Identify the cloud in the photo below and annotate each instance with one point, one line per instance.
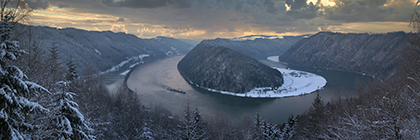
(38, 4)
(118, 28)
(245, 18)
(233, 19)
(370, 10)
(63, 6)
(244, 6)
(181, 18)
(148, 3)
(120, 19)
(300, 9)
(269, 4)
(221, 18)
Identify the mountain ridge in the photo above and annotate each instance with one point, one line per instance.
(372, 54)
(258, 48)
(101, 49)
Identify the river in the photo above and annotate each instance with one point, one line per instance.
(150, 80)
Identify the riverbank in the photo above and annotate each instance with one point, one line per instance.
(296, 83)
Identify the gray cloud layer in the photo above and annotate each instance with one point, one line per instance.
(345, 10)
(225, 17)
(245, 6)
(299, 9)
(148, 3)
(370, 10)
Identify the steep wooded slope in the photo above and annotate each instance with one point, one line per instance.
(102, 50)
(373, 54)
(224, 69)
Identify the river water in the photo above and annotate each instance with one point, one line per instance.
(150, 80)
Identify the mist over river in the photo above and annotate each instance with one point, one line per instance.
(150, 80)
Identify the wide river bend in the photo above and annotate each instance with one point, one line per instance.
(150, 80)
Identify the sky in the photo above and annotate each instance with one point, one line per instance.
(209, 19)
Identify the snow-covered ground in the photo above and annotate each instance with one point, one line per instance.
(295, 83)
(273, 58)
(117, 67)
(125, 72)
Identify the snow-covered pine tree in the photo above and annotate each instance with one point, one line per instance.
(198, 131)
(68, 122)
(185, 126)
(14, 90)
(146, 133)
(192, 126)
(270, 131)
(288, 130)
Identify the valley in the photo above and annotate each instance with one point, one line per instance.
(150, 80)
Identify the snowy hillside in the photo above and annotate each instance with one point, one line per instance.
(295, 83)
(103, 50)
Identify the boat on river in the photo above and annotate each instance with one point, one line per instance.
(176, 90)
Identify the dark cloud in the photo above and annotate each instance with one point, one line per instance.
(370, 10)
(249, 6)
(63, 6)
(38, 4)
(148, 3)
(299, 9)
(245, 18)
(234, 19)
(180, 3)
(296, 4)
(244, 6)
(269, 4)
(181, 18)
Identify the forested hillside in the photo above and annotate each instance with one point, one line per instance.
(102, 50)
(372, 54)
(258, 48)
(223, 69)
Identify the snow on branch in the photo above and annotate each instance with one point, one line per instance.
(35, 87)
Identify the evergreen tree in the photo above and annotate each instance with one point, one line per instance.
(198, 131)
(14, 91)
(314, 125)
(68, 122)
(258, 125)
(146, 133)
(54, 52)
(192, 126)
(53, 66)
(185, 127)
(270, 131)
(288, 130)
(318, 103)
(72, 74)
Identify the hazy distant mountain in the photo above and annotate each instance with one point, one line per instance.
(373, 54)
(193, 42)
(224, 69)
(258, 48)
(103, 49)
